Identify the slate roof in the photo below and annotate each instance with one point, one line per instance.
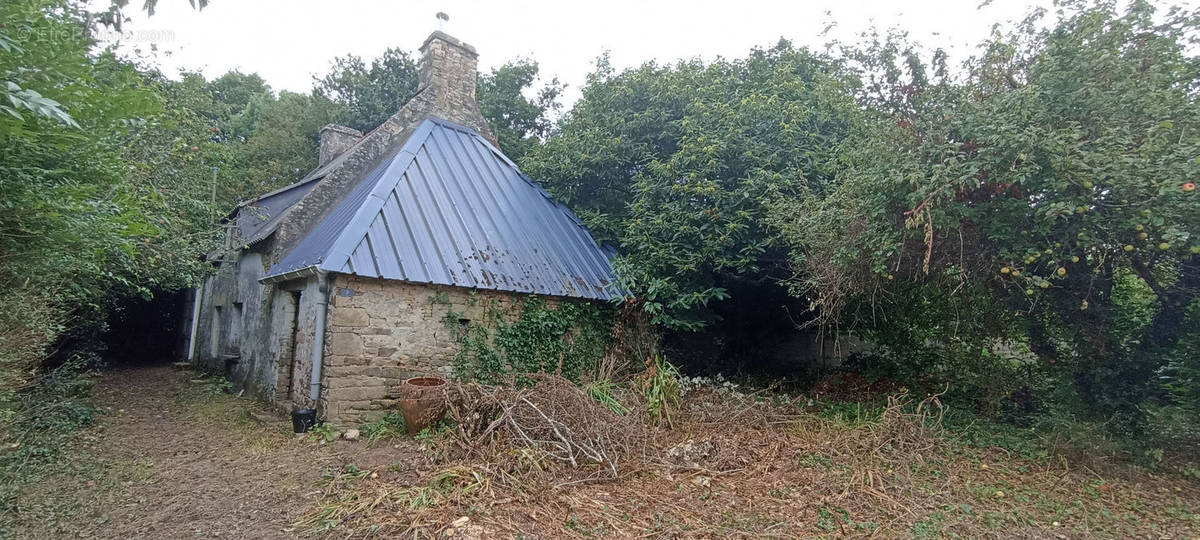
(257, 219)
(449, 208)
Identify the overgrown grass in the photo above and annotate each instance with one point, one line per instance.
(602, 392)
(660, 383)
(387, 505)
(40, 426)
(897, 467)
(436, 430)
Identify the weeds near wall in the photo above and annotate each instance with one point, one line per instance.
(567, 339)
(387, 427)
(322, 432)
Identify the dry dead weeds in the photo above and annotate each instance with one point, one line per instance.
(550, 462)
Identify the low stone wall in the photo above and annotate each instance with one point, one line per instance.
(382, 332)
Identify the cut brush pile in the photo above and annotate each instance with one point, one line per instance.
(554, 419)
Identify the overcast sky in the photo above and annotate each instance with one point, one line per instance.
(288, 41)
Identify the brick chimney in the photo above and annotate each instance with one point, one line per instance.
(447, 80)
(334, 140)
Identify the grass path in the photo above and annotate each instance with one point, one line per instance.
(177, 458)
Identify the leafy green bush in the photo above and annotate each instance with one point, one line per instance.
(1181, 376)
(28, 326)
(1043, 194)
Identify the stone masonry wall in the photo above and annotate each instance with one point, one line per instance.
(382, 332)
(301, 369)
(334, 141)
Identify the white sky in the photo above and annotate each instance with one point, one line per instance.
(288, 41)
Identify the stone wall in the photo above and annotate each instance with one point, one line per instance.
(300, 371)
(382, 332)
(334, 141)
(260, 336)
(233, 320)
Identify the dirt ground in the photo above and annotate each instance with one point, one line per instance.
(175, 457)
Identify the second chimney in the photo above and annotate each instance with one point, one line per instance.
(335, 140)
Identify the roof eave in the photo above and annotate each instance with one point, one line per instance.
(293, 274)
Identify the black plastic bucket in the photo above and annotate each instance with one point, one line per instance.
(303, 420)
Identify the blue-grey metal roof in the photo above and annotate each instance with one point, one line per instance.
(258, 218)
(449, 208)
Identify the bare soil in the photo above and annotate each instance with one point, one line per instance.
(176, 457)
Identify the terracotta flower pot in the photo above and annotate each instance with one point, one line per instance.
(422, 402)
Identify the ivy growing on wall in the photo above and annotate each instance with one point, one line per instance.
(528, 336)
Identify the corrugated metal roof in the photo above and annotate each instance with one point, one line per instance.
(449, 208)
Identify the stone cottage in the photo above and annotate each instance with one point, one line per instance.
(323, 295)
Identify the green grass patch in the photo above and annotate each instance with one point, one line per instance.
(40, 428)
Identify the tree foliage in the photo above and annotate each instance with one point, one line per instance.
(676, 164)
(371, 94)
(518, 122)
(100, 193)
(1045, 195)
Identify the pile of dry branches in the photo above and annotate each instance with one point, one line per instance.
(553, 417)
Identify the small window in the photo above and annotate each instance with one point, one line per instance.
(463, 326)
